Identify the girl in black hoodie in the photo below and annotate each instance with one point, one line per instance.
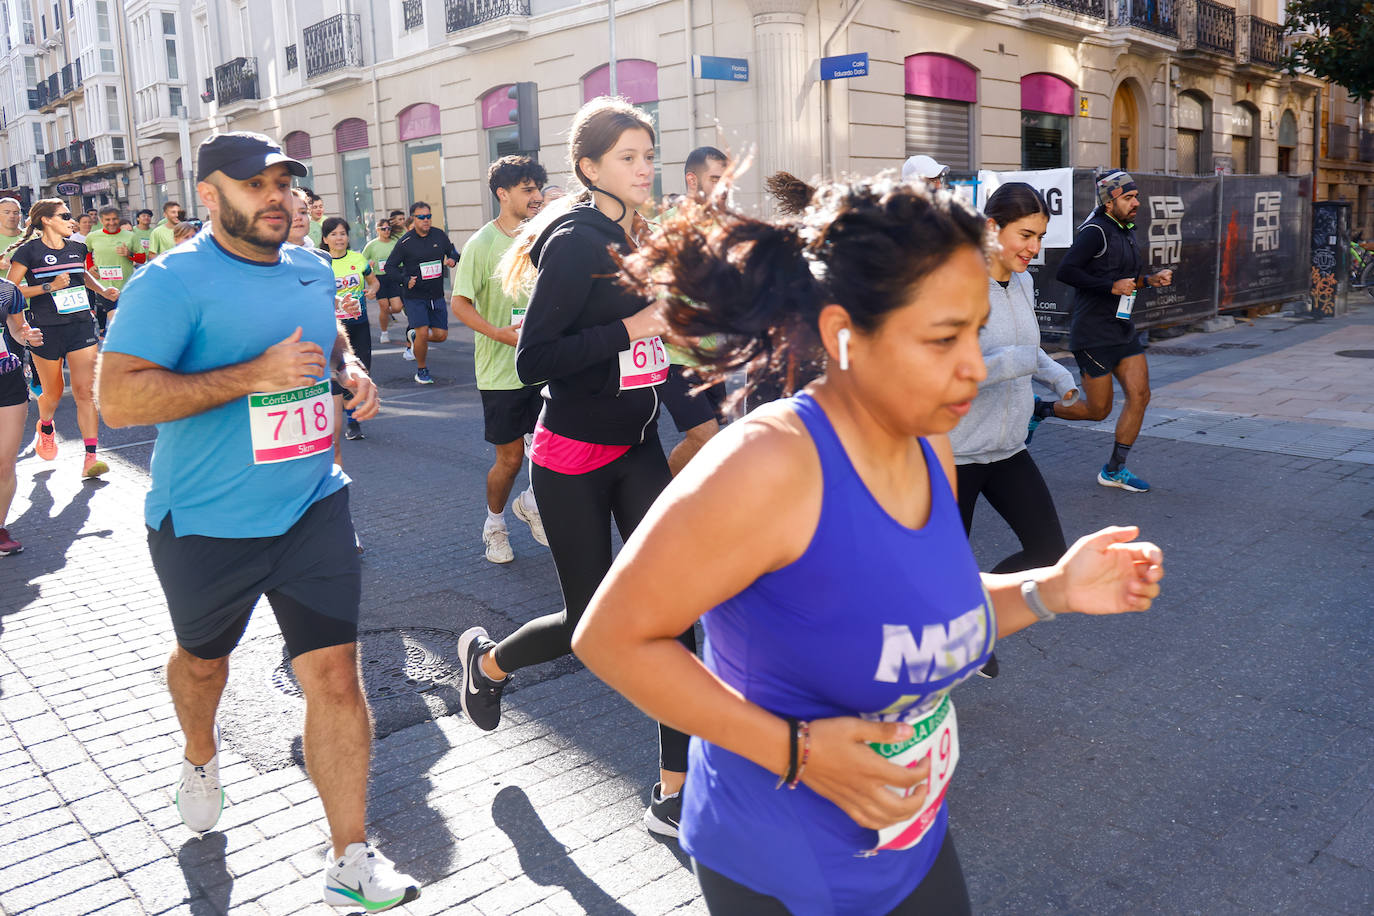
(595, 454)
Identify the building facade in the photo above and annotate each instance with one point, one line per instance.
(389, 101)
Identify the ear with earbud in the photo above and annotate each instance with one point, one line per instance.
(843, 338)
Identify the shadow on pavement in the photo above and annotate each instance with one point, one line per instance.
(208, 882)
(543, 859)
(46, 550)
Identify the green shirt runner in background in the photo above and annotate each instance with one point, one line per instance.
(161, 239)
(376, 251)
(145, 240)
(112, 268)
(476, 280)
(316, 232)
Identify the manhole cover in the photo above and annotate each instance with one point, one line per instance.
(1356, 354)
(395, 662)
(1236, 346)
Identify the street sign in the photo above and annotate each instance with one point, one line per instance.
(68, 188)
(844, 66)
(735, 69)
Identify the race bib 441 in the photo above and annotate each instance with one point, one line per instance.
(287, 425)
(937, 740)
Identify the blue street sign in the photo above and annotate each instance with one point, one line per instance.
(844, 66)
(735, 69)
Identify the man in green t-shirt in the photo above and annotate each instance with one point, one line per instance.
(695, 416)
(143, 231)
(510, 408)
(10, 214)
(111, 254)
(377, 250)
(316, 216)
(161, 238)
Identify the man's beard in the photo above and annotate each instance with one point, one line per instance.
(237, 224)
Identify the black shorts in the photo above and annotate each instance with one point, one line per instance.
(14, 388)
(387, 287)
(61, 339)
(689, 410)
(311, 575)
(1096, 362)
(511, 414)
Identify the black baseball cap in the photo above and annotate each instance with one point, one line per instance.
(241, 154)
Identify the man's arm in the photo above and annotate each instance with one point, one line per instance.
(467, 313)
(132, 391)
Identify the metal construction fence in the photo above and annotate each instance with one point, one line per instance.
(1232, 241)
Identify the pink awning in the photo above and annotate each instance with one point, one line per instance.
(1048, 93)
(497, 108)
(939, 76)
(636, 80)
(419, 120)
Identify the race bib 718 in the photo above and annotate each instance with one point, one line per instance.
(286, 425)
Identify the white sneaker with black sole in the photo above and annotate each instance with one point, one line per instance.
(365, 878)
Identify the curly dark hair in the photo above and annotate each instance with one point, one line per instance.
(512, 171)
(792, 194)
(759, 286)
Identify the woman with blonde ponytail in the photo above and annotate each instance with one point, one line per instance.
(595, 455)
(50, 271)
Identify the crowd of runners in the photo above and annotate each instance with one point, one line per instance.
(806, 750)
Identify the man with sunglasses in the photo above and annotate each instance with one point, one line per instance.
(418, 262)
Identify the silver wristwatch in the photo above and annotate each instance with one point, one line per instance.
(1030, 593)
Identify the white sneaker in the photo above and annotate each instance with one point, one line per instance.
(366, 878)
(408, 355)
(200, 798)
(498, 544)
(530, 517)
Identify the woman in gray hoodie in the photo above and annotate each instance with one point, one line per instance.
(990, 442)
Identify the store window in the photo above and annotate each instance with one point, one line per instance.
(940, 94)
(1047, 109)
(1244, 141)
(355, 180)
(423, 153)
(1194, 140)
(1288, 143)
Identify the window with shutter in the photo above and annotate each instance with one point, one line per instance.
(297, 145)
(350, 135)
(940, 94)
(159, 171)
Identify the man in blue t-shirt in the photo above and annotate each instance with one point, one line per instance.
(222, 343)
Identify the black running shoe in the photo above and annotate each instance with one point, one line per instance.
(990, 669)
(354, 430)
(663, 814)
(481, 697)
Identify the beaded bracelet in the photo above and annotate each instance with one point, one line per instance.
(791, 774)
(805, 729)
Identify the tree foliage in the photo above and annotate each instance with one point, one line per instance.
(1340, 46)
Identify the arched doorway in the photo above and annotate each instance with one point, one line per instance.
(1125, 151)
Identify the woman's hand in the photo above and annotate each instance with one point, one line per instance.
(1106, 573)
(30, 336)
(845, 770)
(647, 322)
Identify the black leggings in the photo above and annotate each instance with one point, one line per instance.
(942, 891)
(577, 511)
(360, 338)
(1014, 487)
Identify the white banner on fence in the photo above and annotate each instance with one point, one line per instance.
(1055, 185)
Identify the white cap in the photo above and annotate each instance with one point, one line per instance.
(922, 167)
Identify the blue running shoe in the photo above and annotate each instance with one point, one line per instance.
(422, 377)
(1122, 479)
(1035, 420)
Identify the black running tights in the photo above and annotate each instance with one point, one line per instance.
(1014, 487)
(577, 510)
(942, 892)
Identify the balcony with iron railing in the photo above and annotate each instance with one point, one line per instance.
(1263, 45)
(1156, 16)
(332, 45)
(1206, 26)
(1095, 9)
(236, 81)
(464, 14)
(413, 12)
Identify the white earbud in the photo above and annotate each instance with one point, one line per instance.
(843, 337)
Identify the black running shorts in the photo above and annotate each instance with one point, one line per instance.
(689, 410)
(511, 414)
(1096, 362)
(311, 575)
(61, 339)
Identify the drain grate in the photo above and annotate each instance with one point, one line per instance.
(1157, 350)
(395, 662)
(1356, 354)
(1236, 346)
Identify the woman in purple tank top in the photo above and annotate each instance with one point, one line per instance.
(840, 599)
